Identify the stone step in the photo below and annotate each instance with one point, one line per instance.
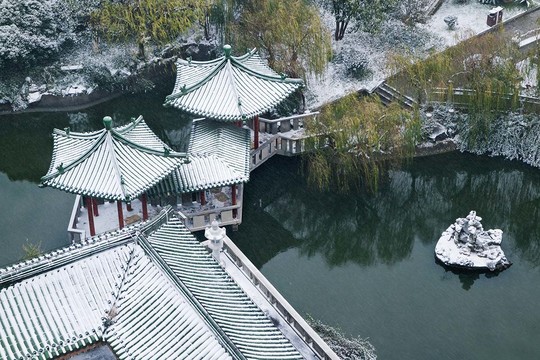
(388, 94)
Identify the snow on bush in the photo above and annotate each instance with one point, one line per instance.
(397, 36)
(412, 11)
(345, 348)
(31, 30)
(513, 136)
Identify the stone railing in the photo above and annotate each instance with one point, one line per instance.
(459, 97)
(264, 152)
(284, 124)
(287, 137)
(200, 219)
(297, 322)
(76, 235)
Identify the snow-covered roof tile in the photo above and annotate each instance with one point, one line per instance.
(229, 88)
(218, 155)
(150, 291)
(244, 323)
(112, 163)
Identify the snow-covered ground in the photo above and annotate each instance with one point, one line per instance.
(394, 36)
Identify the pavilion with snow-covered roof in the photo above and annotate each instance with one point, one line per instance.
(230, 88)
(115, 164)
(210, 185)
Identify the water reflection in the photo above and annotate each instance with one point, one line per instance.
(40, 216)
(417, 201)
(26, 141)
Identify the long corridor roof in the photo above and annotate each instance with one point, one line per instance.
(218, 156)
(150, 291)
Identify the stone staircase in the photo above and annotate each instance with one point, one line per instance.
(388, 94)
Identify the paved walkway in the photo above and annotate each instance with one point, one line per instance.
(523, 23)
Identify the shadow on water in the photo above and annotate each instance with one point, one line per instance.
(418, 201)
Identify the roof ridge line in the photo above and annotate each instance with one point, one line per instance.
(116, 167)
(208, 77)
(223, 339)
(146, 149)
(90, 246)
(108, 320)
(83, 157)
(228, 66)
(130, 126)
(279, 78)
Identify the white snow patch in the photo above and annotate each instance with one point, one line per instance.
(471, 18)
(334, 82)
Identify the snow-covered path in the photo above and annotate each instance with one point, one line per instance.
(375, 49)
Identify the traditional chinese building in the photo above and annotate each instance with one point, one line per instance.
(112, 164)
(230, 88)
(210, 186)
(148, 291)
(227, 89)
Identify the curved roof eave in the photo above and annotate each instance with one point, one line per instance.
(205, 100)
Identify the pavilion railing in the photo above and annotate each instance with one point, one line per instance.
(199, 219)
(284, 124)
(269, 148)
(297, 322)
(286, 137)
(76, 235)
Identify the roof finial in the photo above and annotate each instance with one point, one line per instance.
(107, 121)
(227, 50)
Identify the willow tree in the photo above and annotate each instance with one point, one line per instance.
(354, 139)
(483, 68)
(158, 21)
(290, 32)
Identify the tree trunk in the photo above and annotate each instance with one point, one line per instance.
(341, 26)
(207, 26)
(141, 54)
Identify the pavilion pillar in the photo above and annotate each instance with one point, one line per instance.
(233, 195)
(89, 208)
(144, 201)
(120, 214)
(128, 206)
(203, 198)
(95, 206)
(256, 132)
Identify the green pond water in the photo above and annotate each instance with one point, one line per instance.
(362, 262)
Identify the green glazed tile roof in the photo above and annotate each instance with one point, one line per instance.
(229, 88)
(244, 323)
(151, 291)
(218, 155)
(116, 164)
(67, 308)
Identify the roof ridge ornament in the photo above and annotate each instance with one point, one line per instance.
(227, 50)
(107, 122)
